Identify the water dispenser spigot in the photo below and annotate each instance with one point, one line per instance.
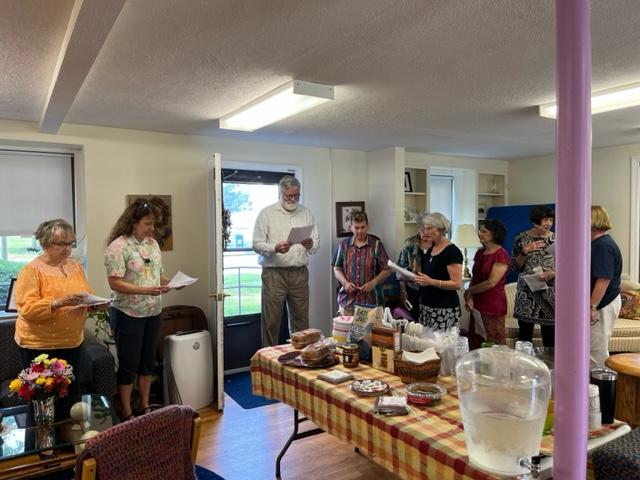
(532, 465)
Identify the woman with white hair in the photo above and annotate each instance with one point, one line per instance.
(410, 259)
(441, 275)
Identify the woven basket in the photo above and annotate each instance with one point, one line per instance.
(410, 372)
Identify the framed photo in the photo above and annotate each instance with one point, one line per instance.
(10, 305)
(163, 226)
(407, 182)
(482, 212)
(343, 216)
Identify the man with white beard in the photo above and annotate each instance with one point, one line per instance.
(285, 277)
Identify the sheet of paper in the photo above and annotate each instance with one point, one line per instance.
(298, 234)
(478, 326)
(534, 283)
(396, 268)
(181, 280)
(90, 300)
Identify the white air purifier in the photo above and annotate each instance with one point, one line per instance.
(188, 369)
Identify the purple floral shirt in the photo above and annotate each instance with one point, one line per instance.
(138, 263)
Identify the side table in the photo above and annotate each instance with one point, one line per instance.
(627, 386)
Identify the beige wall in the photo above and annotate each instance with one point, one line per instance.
(118, 162)
(532, 180)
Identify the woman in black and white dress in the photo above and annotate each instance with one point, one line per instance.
(534, 255)
(441, 276)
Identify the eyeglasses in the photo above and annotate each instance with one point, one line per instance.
(293, 196)
(142, 206)
(65, 244)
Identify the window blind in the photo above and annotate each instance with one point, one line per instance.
(35, 187)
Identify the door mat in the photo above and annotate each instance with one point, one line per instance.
(238, 387)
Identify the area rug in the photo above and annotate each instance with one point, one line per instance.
(206, 474)
(238, 387)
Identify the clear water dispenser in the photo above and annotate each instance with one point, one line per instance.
(503, 399)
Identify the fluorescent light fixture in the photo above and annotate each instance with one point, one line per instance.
(604, 101)
(287, 100)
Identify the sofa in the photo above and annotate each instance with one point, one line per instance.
(97, 369)
(626, 329)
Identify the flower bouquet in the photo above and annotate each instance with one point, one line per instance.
(44, 378)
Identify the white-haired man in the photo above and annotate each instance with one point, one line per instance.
(285, 277)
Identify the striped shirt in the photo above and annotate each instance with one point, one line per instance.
(361, 265)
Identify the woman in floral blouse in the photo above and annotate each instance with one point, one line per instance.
(534, 257)
(134, 268)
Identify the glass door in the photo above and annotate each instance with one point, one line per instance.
(245, 193)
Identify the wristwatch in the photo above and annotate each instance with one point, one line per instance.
(594, 306)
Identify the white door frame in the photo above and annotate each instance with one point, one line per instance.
(634, 221)
(216, 286)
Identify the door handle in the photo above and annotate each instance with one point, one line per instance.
(219, 297)
(237, 324)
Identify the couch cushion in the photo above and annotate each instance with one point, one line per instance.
(629, 285)
(624, 327)
(630, 304)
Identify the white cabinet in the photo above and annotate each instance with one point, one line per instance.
(415, 197)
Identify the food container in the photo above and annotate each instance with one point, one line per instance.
(350, 355)
(424, 393)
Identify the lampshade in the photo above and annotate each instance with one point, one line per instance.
(287, 100)
(603, 101)
(466, 236)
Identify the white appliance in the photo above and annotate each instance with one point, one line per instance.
(188, 369)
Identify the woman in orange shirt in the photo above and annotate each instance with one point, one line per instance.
(46, 289)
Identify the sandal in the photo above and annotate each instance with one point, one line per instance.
(145, 410)
(128, 417)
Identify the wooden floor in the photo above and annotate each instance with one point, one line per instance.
(243, 445)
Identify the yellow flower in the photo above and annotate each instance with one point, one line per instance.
(15, 385)
(41, 358)
(40, 381)
(49, 384)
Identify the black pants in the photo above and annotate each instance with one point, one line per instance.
(525, 332)
(71, 355)
(136, 339)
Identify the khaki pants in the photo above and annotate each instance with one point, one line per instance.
(290, 284)
(601, 332)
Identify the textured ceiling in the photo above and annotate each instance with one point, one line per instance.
(456, 77)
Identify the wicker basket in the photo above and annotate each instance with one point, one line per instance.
(410, 372)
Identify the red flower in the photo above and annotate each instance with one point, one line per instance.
(25, 392)
(37, 367)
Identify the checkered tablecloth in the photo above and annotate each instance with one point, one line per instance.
(426, 444)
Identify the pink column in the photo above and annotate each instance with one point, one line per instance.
(573, 251)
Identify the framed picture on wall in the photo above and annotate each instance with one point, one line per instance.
(343, 216)
(407, 182)
(10, 305)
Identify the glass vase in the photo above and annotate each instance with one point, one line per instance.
(43, 411)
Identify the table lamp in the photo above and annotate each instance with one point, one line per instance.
(466, 236)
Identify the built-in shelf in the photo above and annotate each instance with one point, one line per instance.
(415, 201)
(491, 192)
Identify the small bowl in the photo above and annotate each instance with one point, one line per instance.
(424, 393)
